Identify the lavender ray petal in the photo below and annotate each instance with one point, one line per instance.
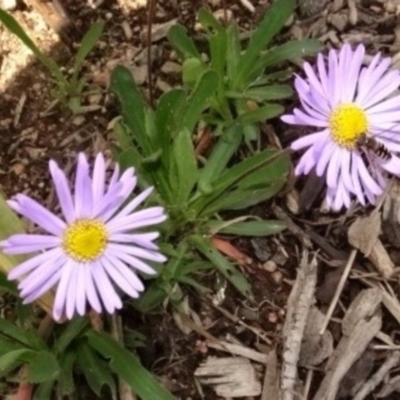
(107, 293)
(133, 262)
(121, 281)
(34, 262)
(38, 214)
(99, 178)
(137, 252)
(332, 175)
(81, 290)
(61, 292)
(91, 292)
(71, 293)
(141, 239)
(41, 290)
(63, 191)
(126, 272)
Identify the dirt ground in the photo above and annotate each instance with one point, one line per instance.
(33, 130)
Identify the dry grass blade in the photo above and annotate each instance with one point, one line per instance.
(338, 290)
(391, 361)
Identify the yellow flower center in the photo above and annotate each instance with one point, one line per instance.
(85, 240)
(347, 123)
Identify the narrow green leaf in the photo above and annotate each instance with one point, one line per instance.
(199, 99)
(13, 26)
(65, 379)
(262, 93)
(182, 43)
(151, 299)
(261, 114)
(22, 336)
(128, 367)
(278, 76)
(241, 199)
(133, 106)
(6, 346)
(204, 246)
(167, 118)
(285, 52)
(221, 154)
(218, 47)
(43, 367)
(96, 371)
(246, 174)
(207, 20)
(44, 391)
(232, 50)
(273, 21)
(13, 359)
(73, 330)
(186, 165)
(247, 228)
(88, 42)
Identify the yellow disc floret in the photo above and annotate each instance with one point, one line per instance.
(347, 123)
(85, 240)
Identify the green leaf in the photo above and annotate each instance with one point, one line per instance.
(14, 27)
(266, 79)
(192, 69)
(87, 44)
(72, 330)
(182, 43)
(207, 20)
(65, 378)
(221, 154)
(247, 228)
(13, 359)
(266, 167)
(44, 391)
(199, 99)
(240, 199)
(232, 50)
(96, 371)
(43, 367)
(22, 336)
(261, 114)
(273, 21)
(262, 93)
(287, 51)
(152, 298)
(167, 118)
(133, 106)
(128, 367)
(6, 346)
(218, 47)
(205, 247)
(186, 165)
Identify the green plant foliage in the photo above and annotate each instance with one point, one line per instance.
(242, 67)
(128, 367)
(69, 90)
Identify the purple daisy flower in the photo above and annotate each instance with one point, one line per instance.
(94, 249)
(353, 108)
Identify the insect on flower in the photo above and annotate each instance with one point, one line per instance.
(356, 114)
(96, 248)
(372, 145)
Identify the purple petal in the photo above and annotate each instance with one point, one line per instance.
(63, 191)
(35, 212)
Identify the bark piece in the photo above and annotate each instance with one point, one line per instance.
(229, 377)
(315, 347)
(361, 323)
(299, 303)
